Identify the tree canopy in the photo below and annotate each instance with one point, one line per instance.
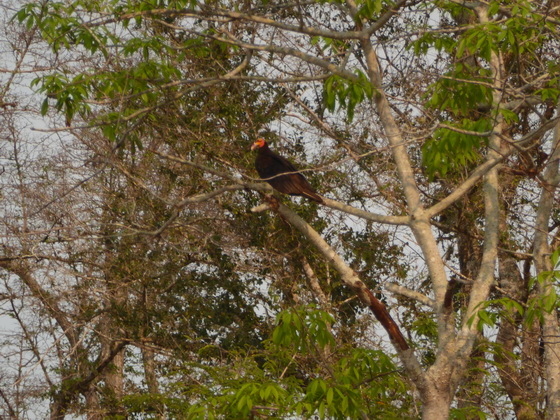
(147, 272)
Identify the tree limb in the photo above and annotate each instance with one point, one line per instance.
(483, 169)
(541, 252)
(351, 279)
(19, 267)
(411, 294)
(261, 186)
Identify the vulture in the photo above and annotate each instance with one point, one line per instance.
(270, 167)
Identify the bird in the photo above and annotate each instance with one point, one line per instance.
(270, 166)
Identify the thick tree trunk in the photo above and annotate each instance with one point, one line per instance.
(113, 377)
(541, 255)
(150, 375)
(552, 364)
(94, 410)
(436, 403)
(520, 382)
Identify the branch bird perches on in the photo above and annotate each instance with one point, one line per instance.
(281, 174)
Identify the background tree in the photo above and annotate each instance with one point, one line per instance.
(432, 130)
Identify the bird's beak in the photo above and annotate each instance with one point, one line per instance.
(254, 146)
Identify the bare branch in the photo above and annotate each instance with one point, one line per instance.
(411, 294)
(483, 169)
(420, 223)
(378, 218)
(485, 277)
(393, 220)
(199, 198)
(49, 301)
(351, 279)
(314, 283)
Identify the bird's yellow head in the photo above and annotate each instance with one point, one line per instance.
(258, 144)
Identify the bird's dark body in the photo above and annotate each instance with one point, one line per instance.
(270, 166)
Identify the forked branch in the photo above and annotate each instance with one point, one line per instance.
(352, 280)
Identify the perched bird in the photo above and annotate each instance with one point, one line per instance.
(270, 166)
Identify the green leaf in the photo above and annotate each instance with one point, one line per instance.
(110, 132)
(555, 259)
(330, 396)
(313, 387)
(344, 404)
(485, 318)
(45, 107)
(509, 116)
(461, 48)
(267, 392)
(550, 299)
(493, 8)
(242, 402)
(322, 408)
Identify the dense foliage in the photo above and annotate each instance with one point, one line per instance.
(141, 277)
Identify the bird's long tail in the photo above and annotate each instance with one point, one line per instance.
(313, 196)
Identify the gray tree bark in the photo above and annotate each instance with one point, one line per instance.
(541, 255)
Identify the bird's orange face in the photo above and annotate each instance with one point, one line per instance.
(258, 144)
